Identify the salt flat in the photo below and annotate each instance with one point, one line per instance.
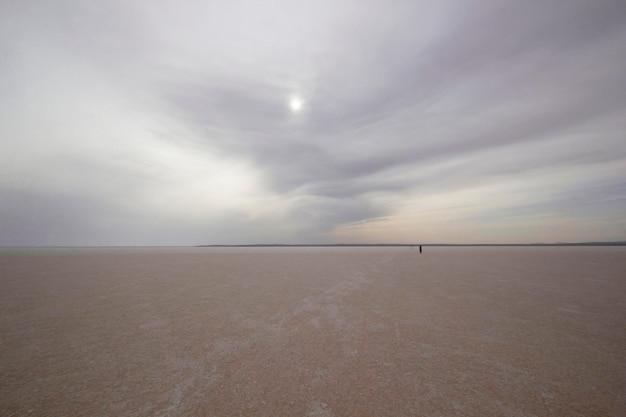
(510, 331)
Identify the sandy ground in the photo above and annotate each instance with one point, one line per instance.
(313, 332)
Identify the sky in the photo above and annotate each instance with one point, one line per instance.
(324, 121)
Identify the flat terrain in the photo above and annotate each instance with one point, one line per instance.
(313, 332)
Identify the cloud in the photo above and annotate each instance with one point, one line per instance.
(174, 122)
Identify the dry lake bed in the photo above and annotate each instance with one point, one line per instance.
(472, 331)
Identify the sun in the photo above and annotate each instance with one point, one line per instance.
(296, 104)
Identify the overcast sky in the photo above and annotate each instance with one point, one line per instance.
(198, 122)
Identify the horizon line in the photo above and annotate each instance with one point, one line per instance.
(592, 243)
(248, 245)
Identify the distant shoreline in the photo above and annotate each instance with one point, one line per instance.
(332, 245)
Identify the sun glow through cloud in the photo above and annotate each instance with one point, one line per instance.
(296, 104)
